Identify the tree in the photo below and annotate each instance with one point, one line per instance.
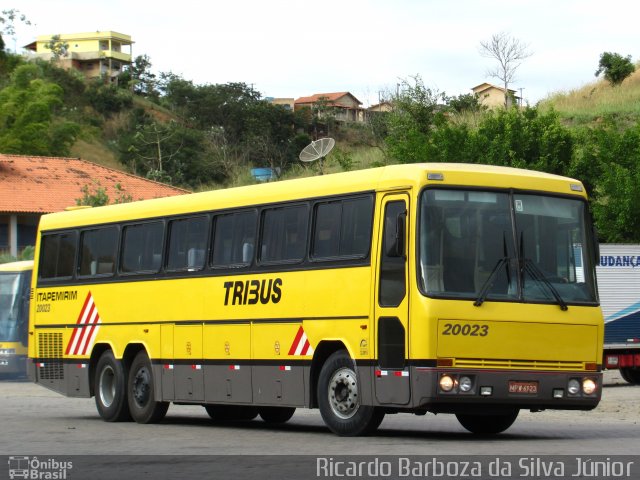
(143, 79)
(58, 47)
(8, 18)
(509, 53)
(615, 67)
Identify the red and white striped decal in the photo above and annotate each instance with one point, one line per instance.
(301, 345)
(196, 367)
(396, 373)
(168, 366)
(285, 368)
(87, 326)
(234, 367)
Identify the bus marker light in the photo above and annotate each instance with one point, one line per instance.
(486, 391)
(445, 362)
(558, 393)
(196, 367)
(234, 367)
(401, 373)
(285, 368)
(168, 367)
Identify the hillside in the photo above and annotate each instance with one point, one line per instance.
(597, 100)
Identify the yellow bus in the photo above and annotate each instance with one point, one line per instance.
(442, 288)
(15, 281)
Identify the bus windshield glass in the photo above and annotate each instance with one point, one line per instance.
(504, 246)
(12, 293)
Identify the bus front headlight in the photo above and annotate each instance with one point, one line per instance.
(447, 383)
(573, 387)
(465, 384)
(589, 386)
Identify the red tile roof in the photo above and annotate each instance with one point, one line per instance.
(330, 98)
(50, 184)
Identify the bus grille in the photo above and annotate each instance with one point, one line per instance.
(517, 364)
(50, 352)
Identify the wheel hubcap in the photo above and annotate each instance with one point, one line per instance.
(141, 387)
(107, 388)
(343, 393)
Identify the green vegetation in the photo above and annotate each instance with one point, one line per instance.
(208, 136)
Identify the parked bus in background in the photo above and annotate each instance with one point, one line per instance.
(442, 288)
(15, 281)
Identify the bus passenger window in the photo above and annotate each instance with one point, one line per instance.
(234, 236)
(284, 234)
(57, 255)
(187, 244)
(98, 251)
(342, 228)
(142, 248)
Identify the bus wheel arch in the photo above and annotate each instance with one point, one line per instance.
(322, 352)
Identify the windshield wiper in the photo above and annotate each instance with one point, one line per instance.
(484, 291)
(538, 275)
(486, 286)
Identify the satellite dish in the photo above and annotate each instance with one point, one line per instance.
(317, 150)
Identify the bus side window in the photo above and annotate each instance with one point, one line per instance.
(57, 255)
(98, 251)
(234, 236)
(187, 243)
(284, 234)
(142, 247)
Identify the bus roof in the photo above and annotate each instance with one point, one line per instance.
(407, 176)
(22, 266)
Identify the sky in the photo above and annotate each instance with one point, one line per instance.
(295, 48)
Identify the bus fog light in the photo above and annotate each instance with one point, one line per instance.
(574, 387)
(486, 391)
(447, 383)
(465, 384)
(589, 386)
(558, 392)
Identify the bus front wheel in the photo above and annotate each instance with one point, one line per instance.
(339, 399)
(276, 414)
(487, 424)
(142, 403)
(631, 375)
(110, 389)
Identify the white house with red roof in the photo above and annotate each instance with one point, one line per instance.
(32, 186)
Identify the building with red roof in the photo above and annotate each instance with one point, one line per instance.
(343, 105)
(31, 186)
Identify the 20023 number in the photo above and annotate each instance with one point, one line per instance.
(466, 330)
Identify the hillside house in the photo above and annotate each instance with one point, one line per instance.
(95, 54)
(342, 105)
(32, 186)
(492, 96)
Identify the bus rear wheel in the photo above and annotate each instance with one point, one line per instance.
(631, 375)
(487, 424)
(276, 414)
(339, 399)
(141, 392)
(110, 389)
(231, 413)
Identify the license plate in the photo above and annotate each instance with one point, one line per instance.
(527, 388)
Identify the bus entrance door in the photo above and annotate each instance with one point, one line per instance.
(392, 382)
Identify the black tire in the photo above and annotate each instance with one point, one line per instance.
(110, 387)
(231, 413)
(487, 424)
(631, 375)
(276, 414)
(339, 400)
(141, 393)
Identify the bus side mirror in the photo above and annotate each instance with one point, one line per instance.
(395, 238)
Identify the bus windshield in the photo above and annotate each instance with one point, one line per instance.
(12, 291)
(489, 245)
